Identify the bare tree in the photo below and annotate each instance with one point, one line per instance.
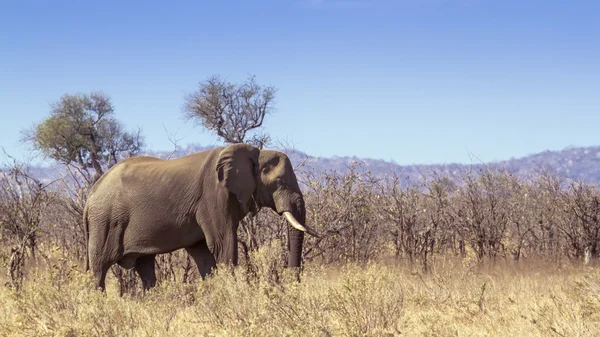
(344, 206)
(23, 201)
(232, 111)
(582, 209)
(401, 209)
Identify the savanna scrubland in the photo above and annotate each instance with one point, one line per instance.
(476, 253)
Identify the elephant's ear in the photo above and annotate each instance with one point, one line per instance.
(237, 169)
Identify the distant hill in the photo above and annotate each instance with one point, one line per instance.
(578, 163)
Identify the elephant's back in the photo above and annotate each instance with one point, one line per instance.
(111, 187)
(148, 183)
(140, 180)
(118, 169)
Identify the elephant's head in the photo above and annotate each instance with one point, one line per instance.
(266, 178)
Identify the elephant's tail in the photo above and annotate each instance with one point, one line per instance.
(86, 233)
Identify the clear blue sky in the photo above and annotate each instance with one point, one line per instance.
(414, 81)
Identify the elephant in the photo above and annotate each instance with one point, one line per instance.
(144, 206)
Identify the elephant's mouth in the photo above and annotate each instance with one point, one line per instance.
(296, 224)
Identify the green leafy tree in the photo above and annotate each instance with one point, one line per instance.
(81, 131)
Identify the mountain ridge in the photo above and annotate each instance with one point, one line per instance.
(574, 163)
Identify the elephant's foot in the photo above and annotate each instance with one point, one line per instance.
(100, 276)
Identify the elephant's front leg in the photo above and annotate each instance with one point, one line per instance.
(203, 257)
(145, 269)
(225, 250)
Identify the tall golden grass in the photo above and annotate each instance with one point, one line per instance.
(456, 298)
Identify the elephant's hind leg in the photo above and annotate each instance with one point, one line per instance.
(145, 268)
(99, 266)
(203, 257)
(100, 270)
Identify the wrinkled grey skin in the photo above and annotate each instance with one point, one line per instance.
(145, 206)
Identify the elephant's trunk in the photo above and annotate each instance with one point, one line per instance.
(297, 219)
(290, 205)
(296, 238)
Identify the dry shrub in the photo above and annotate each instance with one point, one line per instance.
(343, 206)
(23, 202)
(495, 214)
(367, 302)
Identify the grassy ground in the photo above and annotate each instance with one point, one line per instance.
(379, 299)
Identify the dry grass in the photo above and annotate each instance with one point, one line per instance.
(376, 299)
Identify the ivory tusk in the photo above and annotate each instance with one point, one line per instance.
(290, 218)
